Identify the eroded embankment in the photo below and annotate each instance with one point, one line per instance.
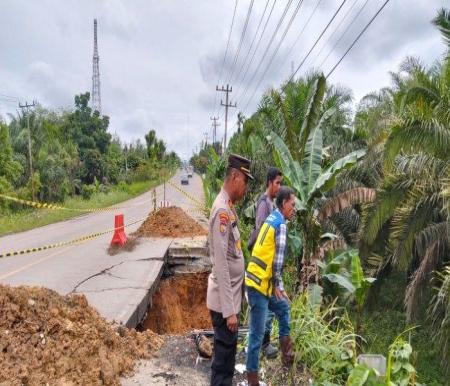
(179, 305)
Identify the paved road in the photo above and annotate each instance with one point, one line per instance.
(87, 267)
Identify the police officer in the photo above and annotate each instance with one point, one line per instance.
(225, 283)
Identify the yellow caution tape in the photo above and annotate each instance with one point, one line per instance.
(203, 212)
(44, 205)
(193, 199)
(63, 243)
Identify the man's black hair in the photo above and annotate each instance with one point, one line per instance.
(230, 171)
(272, 174)
(284, 194)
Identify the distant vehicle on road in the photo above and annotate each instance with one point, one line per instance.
(190, 174)
(184, 179)
(190, 171)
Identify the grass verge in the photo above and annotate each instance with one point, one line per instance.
(29, 218)
(385, 319)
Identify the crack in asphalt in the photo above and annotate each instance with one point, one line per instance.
(102, 272)
(150, 259)
(116, 288)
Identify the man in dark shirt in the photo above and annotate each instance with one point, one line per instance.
(265, 206)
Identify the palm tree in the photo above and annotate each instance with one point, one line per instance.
(440, 315)
(442, 21)
(412, 197)
(302, 163)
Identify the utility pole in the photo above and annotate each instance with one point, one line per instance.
(206, 138)
(215, 124)
(126, 158)
(227, 104)
(23, 107)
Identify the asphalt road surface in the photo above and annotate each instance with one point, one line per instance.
(86, 267)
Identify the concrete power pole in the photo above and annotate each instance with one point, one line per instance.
(26, 107)
(215, 124)
(227, 104)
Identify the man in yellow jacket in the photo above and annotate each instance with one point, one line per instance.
(264, 284)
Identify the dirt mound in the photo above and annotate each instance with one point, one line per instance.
(46, 338)
(179, 305)
(170, 222)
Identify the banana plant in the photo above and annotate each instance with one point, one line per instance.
(345, 271)
(310, 182)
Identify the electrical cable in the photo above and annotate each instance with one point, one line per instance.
(257, 45)
(357, 38)
(226, 52)
(254, 38)
(244, 30)
(294, 14)
(9, 96)
(318, 39)
(268, 46)
(335, 30)
(302, 30)
(344, 33)
(307, 55)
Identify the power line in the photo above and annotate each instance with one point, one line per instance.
(286, 30)
(6, 100)
(307, 55)
(257, 44)
(302, 30)
(244, 30)
(315, 43)
(226, 52)
(9, 97)
(344, 33)
(335, 29)
(268, 46)
(357, 38)
(254, 38)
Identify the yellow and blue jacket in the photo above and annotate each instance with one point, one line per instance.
(266, 263)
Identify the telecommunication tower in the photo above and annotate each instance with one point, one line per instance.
(96, 98)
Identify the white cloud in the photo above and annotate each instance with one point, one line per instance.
(159, 60)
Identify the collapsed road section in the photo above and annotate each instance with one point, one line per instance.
(82, 337)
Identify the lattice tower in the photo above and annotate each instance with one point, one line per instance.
(96, 97)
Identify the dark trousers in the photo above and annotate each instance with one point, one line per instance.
(225, 346)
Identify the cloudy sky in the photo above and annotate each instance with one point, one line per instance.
(160, 60)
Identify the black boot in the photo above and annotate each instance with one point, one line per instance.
(268, 349)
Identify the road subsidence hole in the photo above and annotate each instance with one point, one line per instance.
(179, 305)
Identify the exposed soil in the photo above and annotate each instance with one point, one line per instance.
(132, 242)
(46, 338)
(170, 222)
(179, 305)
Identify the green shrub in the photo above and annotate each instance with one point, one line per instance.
(87, 191)
(122, 186)
(324, 340)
